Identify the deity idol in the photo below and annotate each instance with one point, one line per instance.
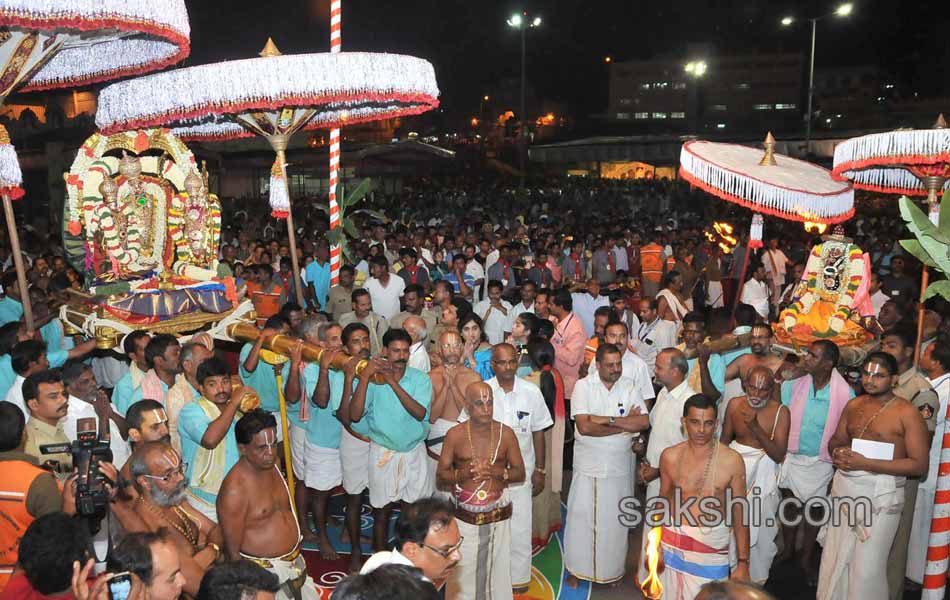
(830, 302)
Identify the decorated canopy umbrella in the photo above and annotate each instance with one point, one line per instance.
(773, 185)
(47, 44)
(915, 163)
(273, 97)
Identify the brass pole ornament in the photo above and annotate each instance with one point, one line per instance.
(768, 159)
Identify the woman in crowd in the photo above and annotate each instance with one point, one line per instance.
(477, 353)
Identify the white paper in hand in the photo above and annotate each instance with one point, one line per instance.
(872, 449)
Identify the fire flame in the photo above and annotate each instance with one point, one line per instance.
(723, 237)
(651, 586)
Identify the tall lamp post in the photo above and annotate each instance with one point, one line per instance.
(522, 22)
(843, 10)
(696, 69)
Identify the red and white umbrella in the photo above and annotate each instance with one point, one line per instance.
(773, 185)
(47, 44)
(273, 97)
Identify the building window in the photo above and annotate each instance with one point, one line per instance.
(623, 116)
(720, 125)
(644, 86)
(641, 115)
(662, 85)
(718, 107)
(626, 101)
(679, 85)
(659, 115)
(742, 86)
(762, 107)
(677, 115)
(786, 106)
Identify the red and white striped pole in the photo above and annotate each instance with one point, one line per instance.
(938, 548)
(336, 44)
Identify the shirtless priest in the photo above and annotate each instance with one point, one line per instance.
(696, 548)
(880, 441)
(256, 513)
(480, 459)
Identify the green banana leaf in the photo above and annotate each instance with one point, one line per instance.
(938, 288)
(359, 192)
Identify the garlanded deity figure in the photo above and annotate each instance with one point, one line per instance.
(138, 208)
(195, 226)
(828, 302)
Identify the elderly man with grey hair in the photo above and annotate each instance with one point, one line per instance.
(186, 386)
(418, 355)
(314, 431)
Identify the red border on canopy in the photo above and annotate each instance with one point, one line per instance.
(80, 23)
(747, 176)
(896, 162)
(423, 102)
(758, 207)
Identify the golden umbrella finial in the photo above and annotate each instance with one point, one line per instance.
(768, 159)
(270, 49)
(941, 122)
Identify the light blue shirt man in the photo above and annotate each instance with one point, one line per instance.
(318, 276)
(192, 425)
(10, 310)
(814, 417)
(263, 380)
(8, 375)
(717, 370)
(390, 425)
(323, 428)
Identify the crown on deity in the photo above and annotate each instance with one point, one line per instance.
(193, 184)
(108, 188)
(129, 166)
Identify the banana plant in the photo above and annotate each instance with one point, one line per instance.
(347, 230)
(931, 245)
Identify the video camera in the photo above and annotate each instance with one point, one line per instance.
(92, 497)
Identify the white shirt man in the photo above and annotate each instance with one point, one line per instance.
(516, 310)
(386, 298)
(419, 357)
(652, 338)
(80, 409)
(475, 269)
(495, 321)
(620, 258)
(525, 411)
(775, 263)
(584, 307)
(595, 545)
(15, 396)
(755, 293)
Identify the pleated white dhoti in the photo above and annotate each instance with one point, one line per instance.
(521, 504)
(484, 572)
(854, 558)
(434, 441)
(806, 476)
(398, 476)
(595, 542)
(920, 533)
(693, 556)
(762, 485)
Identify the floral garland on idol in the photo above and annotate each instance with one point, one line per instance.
(51, 44)
(11, 177)
(93, 205)
(812, 287)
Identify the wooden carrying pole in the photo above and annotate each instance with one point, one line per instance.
(282, 344)
(18, 262)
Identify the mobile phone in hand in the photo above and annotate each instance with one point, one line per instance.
(120, 586)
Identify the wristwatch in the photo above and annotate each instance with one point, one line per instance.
(613, 420)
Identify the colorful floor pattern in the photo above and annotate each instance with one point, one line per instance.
(547, 577)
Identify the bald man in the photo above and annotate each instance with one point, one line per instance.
(449, 382)
(418, 355)
(756, 427)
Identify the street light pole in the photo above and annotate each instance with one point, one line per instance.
(523, 146)
(811, 88)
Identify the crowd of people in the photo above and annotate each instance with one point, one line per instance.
(466, 333)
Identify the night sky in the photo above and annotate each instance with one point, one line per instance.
(472, 48)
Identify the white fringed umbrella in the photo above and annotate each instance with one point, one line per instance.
(47, 44)
(773, 184)
(273, 97)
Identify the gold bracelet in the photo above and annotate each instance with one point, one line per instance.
(540, 470)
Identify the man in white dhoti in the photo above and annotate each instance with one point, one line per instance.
(607, 409)
(397, 418)
(935, 362)
(520, 405)
(816, 402)
(881, 439)
(449, 381)
(695, 543)
(480, 459)
(757, 428)
(666, 427)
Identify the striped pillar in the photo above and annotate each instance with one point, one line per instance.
(336, 44)
(938, 549)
